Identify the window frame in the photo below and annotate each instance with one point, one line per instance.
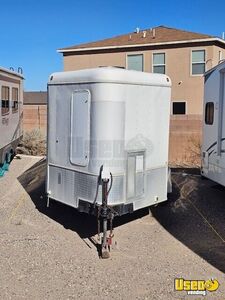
(179, 101)
(15, 108)
(135, 54)
(134, 154)
(191, 63)
(6, 100)
(158, 65)
(209, 121)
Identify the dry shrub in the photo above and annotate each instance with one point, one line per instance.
(193, 152)
(191, 156)
(33, 143)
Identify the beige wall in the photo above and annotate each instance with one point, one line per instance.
(216, 51)
(185, 87)
(185, 140)
(91, 61)
(35, 118)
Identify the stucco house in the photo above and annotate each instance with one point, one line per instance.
(184, 56)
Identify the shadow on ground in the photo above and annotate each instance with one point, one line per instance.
(194, 214)
(33, 181)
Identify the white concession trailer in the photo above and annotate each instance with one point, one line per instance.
(113, 124)
(213, 147)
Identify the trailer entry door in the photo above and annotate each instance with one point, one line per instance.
(80, 127)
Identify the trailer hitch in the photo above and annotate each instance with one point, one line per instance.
(105, 214)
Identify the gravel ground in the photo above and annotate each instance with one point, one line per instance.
(50, 253)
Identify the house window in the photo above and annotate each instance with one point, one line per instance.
(15, 98)
(135, 62)
(159, 63)
(198, 62)
(5, 100)
(179, 108)
(209, 113)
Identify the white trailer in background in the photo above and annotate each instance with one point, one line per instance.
(108, 121)
(11, 109)
(213, 147)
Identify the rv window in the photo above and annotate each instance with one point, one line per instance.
(179, 108)
(5, 100)
(15, 98)
(209, 113)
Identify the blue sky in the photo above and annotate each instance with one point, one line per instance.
(31, 31)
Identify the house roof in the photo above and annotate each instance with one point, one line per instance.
(154, 36)
(38, 98)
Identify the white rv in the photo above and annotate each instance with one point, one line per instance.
(108, 125)
(11, 95)
(213, 147)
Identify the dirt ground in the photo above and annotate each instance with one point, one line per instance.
(49, 253)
